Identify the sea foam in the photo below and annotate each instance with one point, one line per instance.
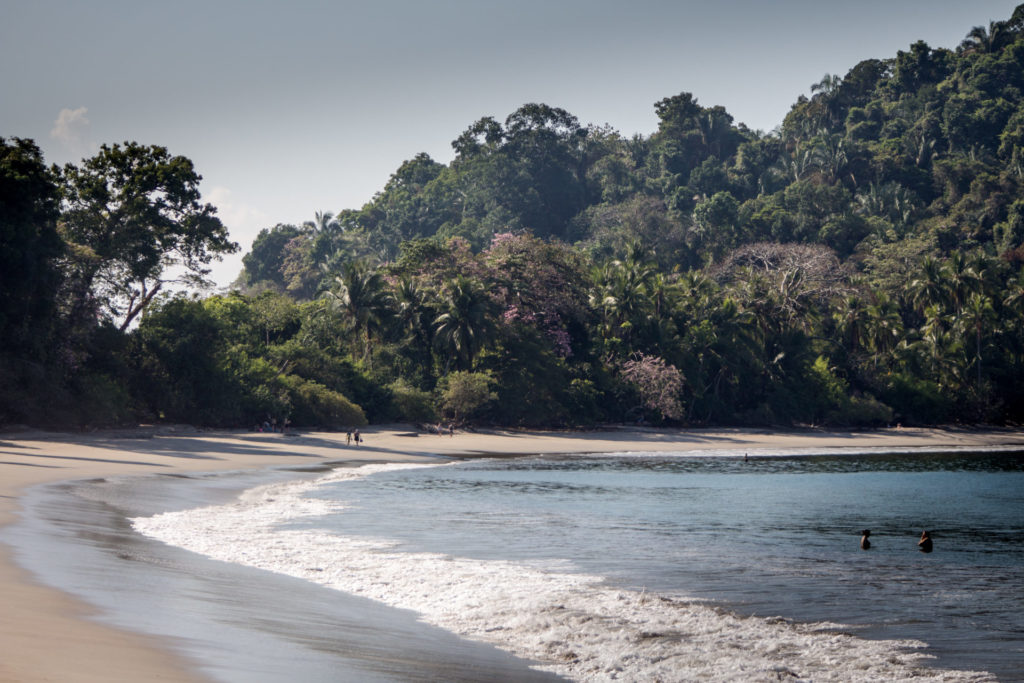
(572, 624)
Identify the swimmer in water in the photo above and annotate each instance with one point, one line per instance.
(925, 544)
(864, 542)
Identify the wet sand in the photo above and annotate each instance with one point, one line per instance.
(46, 635)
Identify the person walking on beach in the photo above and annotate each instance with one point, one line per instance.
(865, 544)
(348, 437)
(357, 437)
(925, 544)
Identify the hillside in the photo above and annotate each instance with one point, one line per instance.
(859, 265)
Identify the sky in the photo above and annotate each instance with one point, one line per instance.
(290, 108)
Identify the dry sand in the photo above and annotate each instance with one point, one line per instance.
(46, 635)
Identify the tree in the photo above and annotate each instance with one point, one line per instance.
(134, 222)
(982, 39)
(621, 295)
(465, 323)
(29, 246)
(539, 284)
(658, 383)
(464, 393)
(531, 173)
(714, 220)
(323, 223)
(361, 298)
(978, 312)
(928, 288)
(265, 261)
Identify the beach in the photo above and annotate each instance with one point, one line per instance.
(48, 635)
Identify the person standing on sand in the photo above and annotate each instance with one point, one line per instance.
(925, 544)
(348, 437)
(357, 437)
(865, 544)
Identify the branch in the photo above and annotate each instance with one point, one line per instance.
(146, 297)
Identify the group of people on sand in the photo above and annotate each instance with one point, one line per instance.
(439, 429)
(270, 424)
(352, 434)
(924, 544)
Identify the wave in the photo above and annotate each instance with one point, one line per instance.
(572, 624)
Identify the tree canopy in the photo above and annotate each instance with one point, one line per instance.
(861, 264)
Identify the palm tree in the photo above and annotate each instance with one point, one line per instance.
(928, 288)
(828, 85)
(411, 310)
(962, 279)
(982, 39)
(359, 295)
(939, 346)
(1014, 299)
(324, 223)
(1013, 302)
(731, 352)
(621, 293)
(829, 154)
(884, 326)
(852, 322)
(976, 314)
(465, 324)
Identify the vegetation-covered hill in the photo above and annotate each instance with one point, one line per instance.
(860, 265)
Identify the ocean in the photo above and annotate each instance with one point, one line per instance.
(682, 566)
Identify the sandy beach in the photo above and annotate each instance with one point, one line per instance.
(46, 635)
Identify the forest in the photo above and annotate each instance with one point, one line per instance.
(860, 265)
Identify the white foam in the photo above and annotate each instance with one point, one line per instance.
(571, 623)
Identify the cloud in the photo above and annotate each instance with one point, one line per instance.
(242, 220)
(70, 126)
(243, 223)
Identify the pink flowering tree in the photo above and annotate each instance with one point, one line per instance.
(538, 284)
(659, 384)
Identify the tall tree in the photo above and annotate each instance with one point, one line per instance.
(134, 221)
(265, 261)
(362, 299)
(465, 323)
(29, 246)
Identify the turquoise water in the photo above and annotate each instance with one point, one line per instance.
(769, 536)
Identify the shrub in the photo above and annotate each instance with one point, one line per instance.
(315, 404)
(465, 393)
(412, 404)
(861, 411)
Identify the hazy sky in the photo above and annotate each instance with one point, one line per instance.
(288, 108)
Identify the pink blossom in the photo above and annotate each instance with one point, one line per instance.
(658, 382)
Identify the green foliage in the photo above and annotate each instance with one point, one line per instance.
(920, 400)
(265, 260)
(29, 249)
(412, 404)
(464, 394)
(862, 263)
(861, 411)
(129, 212)
(313, 404)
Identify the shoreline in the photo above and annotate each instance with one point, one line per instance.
(46, 634)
